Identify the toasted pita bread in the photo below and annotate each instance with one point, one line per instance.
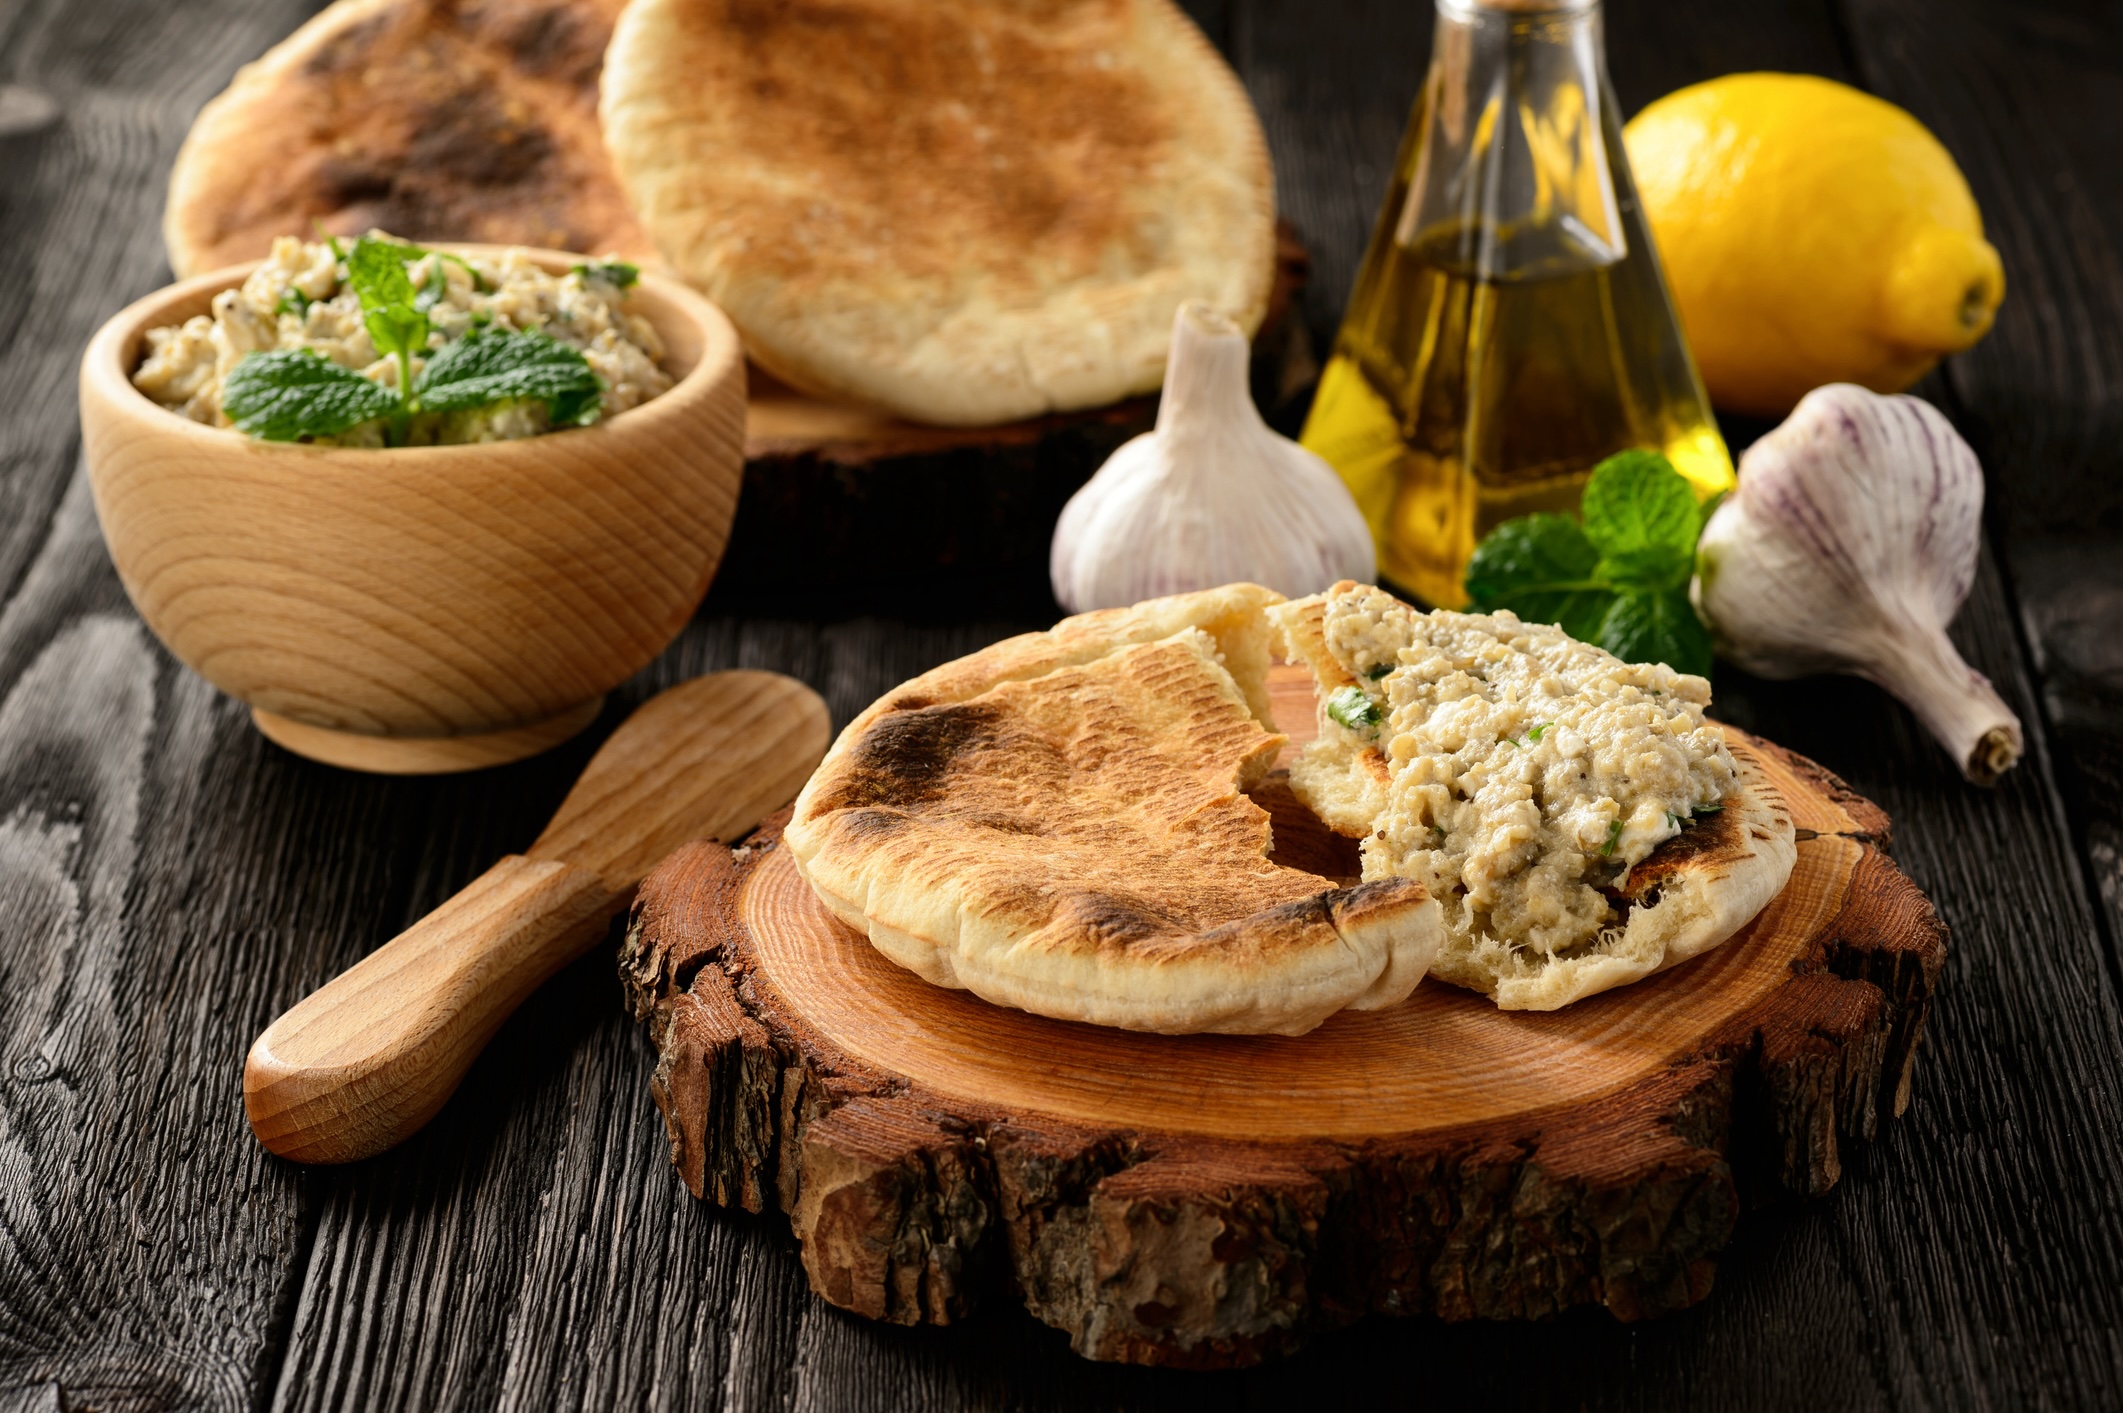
(1058, 824)
(466, 120)
(1690, 894)
(960, 211)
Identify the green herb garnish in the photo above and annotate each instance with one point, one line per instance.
(433, 292)
(1538, 729)
(1378, 670)
(620, 274)
(492, 365)
(1614, 835)
(410, 252)
(289, 394)
(292, 301)
(1354, 709)
(1706, 809)
(376, 270)
(1618, 577)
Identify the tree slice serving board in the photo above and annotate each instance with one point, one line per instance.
(1209, 1200)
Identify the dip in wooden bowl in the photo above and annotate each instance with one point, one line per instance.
(419, 609)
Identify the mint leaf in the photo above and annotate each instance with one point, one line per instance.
(1540, 549)
(495, 364)
(1541, 568)
(579, 408)
(376, 270)
(1656, 626)
(1642, 517)
(437, 281)
(619, 273)
(431, 293)
(1619, 579)
(291, 393)
(396, 332)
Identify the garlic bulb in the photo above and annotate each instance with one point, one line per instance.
(1212, 496)
(1848, 547)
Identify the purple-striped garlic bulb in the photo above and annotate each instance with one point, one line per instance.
(1849, 547)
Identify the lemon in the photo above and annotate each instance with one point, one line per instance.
(1811, 234)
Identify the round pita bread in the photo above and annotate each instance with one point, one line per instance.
(464, 120)
(1058, 824)
(1693, 892)
(961, 211)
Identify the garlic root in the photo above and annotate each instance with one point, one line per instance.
(1849, 547)
(1955, 702)
(1212, 496)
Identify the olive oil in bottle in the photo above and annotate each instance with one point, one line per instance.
(1510, 327)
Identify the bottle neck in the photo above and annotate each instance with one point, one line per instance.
(1511, 179)
(1465, 8)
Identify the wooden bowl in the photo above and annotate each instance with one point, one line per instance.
(420, 609)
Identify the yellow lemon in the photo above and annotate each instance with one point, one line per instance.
(1811, 234)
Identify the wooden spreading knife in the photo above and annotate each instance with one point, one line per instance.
(360, 1064)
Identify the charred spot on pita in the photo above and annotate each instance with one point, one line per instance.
(905, 757)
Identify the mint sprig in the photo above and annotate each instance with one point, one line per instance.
(1617, 577)
(289, 394)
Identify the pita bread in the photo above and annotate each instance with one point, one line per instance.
(1058, 824)
(961, 211)
(1691, 893)
(465, 120)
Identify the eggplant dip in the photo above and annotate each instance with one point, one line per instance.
(380, 343)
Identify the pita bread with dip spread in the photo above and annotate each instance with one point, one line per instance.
(1581, 822)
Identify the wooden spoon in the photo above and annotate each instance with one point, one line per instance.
(363, 1062)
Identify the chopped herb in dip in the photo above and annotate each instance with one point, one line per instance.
(1352, 708)
(383, 343)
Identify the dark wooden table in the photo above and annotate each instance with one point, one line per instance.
(169, 882)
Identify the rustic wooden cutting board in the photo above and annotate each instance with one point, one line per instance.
(1210, 1200)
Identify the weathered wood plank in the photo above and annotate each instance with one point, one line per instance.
(168, 882)
(145, 1248)
(2024, 96)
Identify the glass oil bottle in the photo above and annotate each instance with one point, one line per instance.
(1510, 327)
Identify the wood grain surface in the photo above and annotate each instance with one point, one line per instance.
(169, 882)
